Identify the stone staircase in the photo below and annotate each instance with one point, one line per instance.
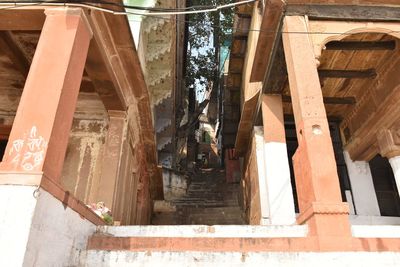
(209, 201)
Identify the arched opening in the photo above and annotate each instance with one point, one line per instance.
(361, 69)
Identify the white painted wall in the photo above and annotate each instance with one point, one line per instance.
(362, 186)
(262, 181)
(17, 206)
(233, 259)
(58, 234)
(174, 184)
(274, 180)
(376, 231)
(39, 231)
(374, 220)
(395, 163)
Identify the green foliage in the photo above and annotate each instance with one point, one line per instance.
(108, 219)
(207, 32)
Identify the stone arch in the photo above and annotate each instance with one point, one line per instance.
(328, 31)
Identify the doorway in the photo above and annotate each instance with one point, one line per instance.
(385, 186)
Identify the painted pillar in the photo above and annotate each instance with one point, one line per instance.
(317, 181)
(39, 136)
(395, 163)
(362, 187)
(277, 171)
(111, 161)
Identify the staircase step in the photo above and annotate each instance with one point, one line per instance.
(208, 200)
(171, 245)
(203, 231)
(244, 258)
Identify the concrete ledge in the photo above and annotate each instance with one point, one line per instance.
(70, 201)
(243, 244)
(373, 220)
(20, 178)
(376, 231)
(236, 259)
(216, 231)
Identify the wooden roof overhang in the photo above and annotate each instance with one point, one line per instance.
(112, 68)
(275, 10)
(362, 55)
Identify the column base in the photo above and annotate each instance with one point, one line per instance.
(329, 222)
(19, 178)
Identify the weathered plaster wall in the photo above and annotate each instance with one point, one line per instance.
(175, 184)
(125, 206)
(82, 162)
(133, 203)
(58, 234)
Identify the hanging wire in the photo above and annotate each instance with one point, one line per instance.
(150, 11)
(85, 4)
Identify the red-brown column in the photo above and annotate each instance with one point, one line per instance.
(314, 162)
(40, 133)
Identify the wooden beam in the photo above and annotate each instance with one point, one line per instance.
(246, 124)
(269, 33)
(15, 52)
(101, 65)
(21, 20)
(359, 74)
(277, 77)
(345, 12)
(101, 79)
(328, 100)
(361, 45)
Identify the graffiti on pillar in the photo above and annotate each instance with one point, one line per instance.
(28, 153)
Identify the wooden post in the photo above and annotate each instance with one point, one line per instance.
(39, 136)
(314, 162)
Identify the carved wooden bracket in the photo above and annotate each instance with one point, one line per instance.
(389, 142)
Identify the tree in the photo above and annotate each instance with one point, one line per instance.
(206, 33)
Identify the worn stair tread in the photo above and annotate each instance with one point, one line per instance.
(208, 200)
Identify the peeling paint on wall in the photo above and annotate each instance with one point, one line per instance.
(82, 162)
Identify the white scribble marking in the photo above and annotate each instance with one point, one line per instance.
(17, 146)
(28, 152)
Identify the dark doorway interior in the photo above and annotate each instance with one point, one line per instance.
(3, 144)
(385, 186)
